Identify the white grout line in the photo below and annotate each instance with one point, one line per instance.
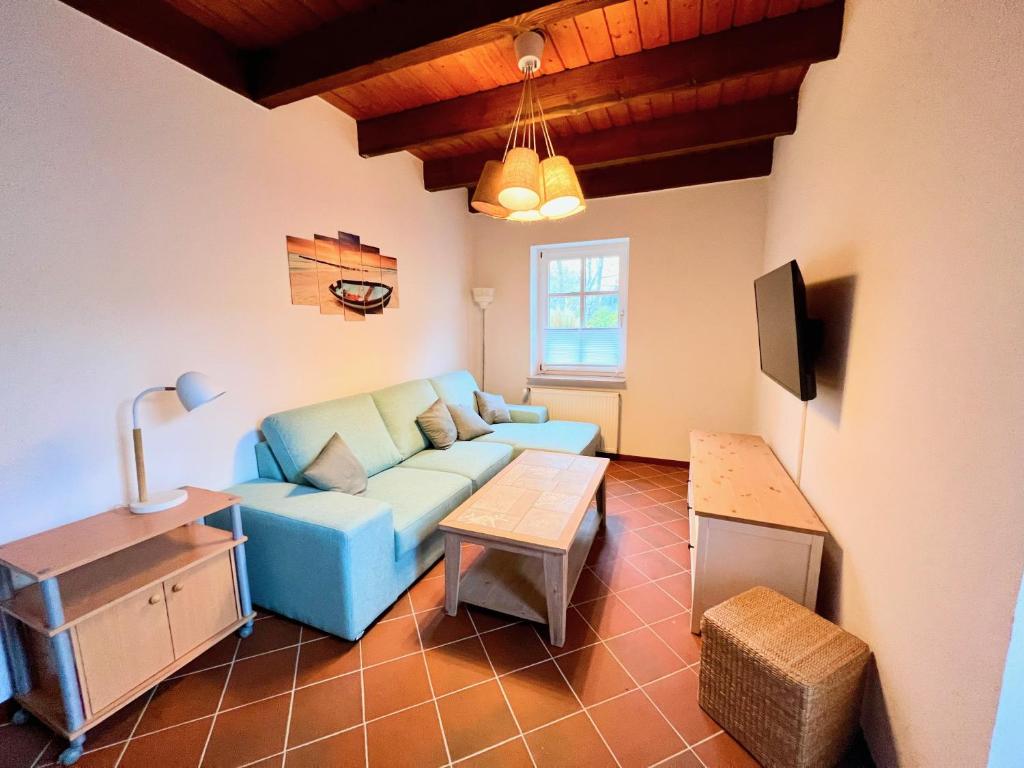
(362, 707)
(433, 696)
(501, 687)
(135, 727)
(220, 702)
(42, 752)
(291, 699)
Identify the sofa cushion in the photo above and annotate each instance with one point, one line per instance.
(419, 500)
(298, 435)
(468, 422)
(336, 468)
(476, 460)
(528, 414)
(335, 511)
(436, 423)
(266, 465)
(492, 408)
(399, 406)
(577, 437)
(457, 388)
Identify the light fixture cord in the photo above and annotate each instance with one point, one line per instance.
(513, 135)
(544, 129)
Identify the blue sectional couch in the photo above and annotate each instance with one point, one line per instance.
(337, 561)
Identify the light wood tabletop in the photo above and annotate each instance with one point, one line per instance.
(62, 549)
(737, 477)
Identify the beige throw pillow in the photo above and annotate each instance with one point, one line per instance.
(436, 422)
(492, 408)
(468, 423)
(336, 468)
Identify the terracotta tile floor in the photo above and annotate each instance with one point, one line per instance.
(425, 689)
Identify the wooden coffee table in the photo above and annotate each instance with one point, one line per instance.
(537, 524)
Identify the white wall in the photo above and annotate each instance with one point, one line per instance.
(906, 172)
(143, 221)
(692, 338)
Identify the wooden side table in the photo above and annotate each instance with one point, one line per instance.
(118, 603)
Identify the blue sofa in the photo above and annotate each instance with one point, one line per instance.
(337, 561)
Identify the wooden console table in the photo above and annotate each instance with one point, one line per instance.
(749, 524)
(118, 602)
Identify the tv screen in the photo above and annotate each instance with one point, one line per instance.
(783, 330)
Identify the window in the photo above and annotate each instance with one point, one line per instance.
(579, 309)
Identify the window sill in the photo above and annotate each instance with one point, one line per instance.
(576, 382)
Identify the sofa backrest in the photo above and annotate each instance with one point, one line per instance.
(399, 406)
(457, 388)
(298, 435)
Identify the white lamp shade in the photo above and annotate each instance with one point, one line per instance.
(195, 389)
(483, 297)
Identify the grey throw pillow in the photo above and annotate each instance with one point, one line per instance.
(436, 422)
(468, 423)
(336, 468)
(492, 408)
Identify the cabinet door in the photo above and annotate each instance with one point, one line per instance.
(201, 602)
(123, 645)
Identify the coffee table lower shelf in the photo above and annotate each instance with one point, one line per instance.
(511, 581)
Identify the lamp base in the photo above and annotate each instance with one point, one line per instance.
(158, 502)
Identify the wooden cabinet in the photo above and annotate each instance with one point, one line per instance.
(749, 524)
(119, 602)
(201, 602)
(122, 646)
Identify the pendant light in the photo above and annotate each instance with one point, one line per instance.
(522, 187)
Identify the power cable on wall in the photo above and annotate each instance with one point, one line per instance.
(800, 449)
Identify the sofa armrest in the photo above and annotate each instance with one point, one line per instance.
(310, 553)
(528, 414)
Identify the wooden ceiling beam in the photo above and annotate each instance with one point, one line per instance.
(797, 39)
(167, 30)
(745, 161)
(393, 34)
(689, 132)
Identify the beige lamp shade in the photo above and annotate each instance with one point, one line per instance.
(578, 209)
(520, 180)
(533, 214)
(485, 197)
(561, 187)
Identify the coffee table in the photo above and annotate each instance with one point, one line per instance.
(536, 523)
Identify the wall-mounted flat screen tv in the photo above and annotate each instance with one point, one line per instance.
(785, 335)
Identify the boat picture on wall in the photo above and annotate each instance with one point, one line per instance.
(341, 276)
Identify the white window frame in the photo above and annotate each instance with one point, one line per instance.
(540, 255)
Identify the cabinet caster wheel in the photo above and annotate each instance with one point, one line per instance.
(70, 756)
(245, 631)
(20, 717)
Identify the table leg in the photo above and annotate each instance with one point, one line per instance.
(602, 501)
(67, 674)
(241, 571)
(452, 566)
(556, 583)
(16, 658)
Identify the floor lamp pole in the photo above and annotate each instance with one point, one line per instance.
(483, 298)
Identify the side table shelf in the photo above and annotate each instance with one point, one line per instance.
(117, 603)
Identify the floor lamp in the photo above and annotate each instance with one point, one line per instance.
(483, 298)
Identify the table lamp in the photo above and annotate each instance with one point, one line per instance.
(193, 389)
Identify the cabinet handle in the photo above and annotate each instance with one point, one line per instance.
(177, 587)
(154, 599)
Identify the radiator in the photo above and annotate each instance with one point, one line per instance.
(601, 407)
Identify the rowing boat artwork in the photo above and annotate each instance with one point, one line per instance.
(341, 275)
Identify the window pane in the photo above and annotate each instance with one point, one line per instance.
(564, 276)
(599, 347)
(602, 273)
(564, 312)
(601, 311)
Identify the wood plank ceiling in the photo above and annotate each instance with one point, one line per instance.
(642, 94)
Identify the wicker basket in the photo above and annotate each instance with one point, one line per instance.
(784, 682)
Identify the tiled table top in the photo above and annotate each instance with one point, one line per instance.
(425, 689)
